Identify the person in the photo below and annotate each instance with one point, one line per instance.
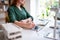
(18, 15)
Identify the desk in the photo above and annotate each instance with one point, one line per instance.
(33, 35)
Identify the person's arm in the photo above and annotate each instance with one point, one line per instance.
(12, 18)
(25, 25)
(11, 15)
(28, 15)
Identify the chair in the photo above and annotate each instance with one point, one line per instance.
(7, 17)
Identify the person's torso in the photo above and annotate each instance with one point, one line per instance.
(20, 14)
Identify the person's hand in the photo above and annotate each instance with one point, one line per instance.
(32, 25)
(25, 24)
(29, 25)
(29, 20)
(24, 21)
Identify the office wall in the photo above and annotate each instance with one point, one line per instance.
(27, 5)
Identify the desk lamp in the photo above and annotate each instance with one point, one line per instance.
(56, 9)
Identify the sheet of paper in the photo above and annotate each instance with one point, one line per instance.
(42, 22)
(9, 27)
(50, 35)
(11, 30)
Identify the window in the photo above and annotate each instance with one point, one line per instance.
(41, 8)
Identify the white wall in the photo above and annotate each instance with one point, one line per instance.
(27, 5)
(31, 5)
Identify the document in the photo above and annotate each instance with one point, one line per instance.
(11, 30)
(51, 36)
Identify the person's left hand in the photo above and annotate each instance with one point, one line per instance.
(28, 25)
(29, 20)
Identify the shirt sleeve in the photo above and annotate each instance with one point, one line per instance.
(28, 15)
(11, 14)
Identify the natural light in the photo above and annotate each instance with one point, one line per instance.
(41, 8)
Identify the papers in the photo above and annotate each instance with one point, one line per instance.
(57, 25)
(50, 36)
(11, 31)
(42, 22)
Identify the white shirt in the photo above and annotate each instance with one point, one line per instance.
(19, 7)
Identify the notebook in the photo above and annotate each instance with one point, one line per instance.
(50, 36)
(11, 30)
(43, 22)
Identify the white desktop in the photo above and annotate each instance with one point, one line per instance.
(26, 34)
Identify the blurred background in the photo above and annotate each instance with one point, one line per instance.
(39, 9)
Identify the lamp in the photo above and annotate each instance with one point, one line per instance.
(55, 26)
